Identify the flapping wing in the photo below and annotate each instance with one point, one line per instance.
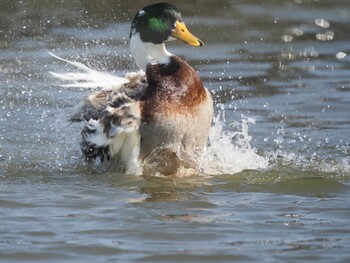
(93, 106)
(108, 86)
(112, 113)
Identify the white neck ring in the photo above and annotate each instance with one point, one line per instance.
(148, 53)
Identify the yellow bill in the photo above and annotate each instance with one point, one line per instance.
(181, 32)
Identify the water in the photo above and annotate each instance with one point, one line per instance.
(278, 167)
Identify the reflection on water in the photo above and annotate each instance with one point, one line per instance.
(279, 72)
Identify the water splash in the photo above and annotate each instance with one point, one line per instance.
(229, 149)
(315, 163)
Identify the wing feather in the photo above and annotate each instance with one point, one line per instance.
(112, 113)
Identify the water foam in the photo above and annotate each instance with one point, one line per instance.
(229, 149)
(315, 163)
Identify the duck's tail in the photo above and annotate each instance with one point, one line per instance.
(86, 77)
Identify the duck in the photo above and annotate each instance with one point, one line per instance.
(156, 120)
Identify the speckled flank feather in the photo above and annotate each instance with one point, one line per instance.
(94, 142)
(115, 133)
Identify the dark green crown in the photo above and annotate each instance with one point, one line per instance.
(155, 22)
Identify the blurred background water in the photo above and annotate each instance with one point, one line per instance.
(280, 74)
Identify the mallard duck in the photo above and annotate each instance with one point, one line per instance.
(163, 112)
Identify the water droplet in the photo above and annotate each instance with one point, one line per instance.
(328, 36)
(340, 55)
(278, 140)
(287, 38)
(297, 32)
(322, 23)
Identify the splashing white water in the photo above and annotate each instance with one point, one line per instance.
(230, 152)
(303, 162)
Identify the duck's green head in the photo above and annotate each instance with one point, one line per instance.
(162, 22)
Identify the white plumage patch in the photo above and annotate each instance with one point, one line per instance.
(127, 144)
(97, 136)
(125, 135)
(146, 53)
(141, 13)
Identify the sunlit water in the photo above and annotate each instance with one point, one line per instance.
(277, 165)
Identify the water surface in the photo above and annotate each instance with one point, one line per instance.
(277, 188)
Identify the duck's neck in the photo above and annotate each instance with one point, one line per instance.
(148, 53)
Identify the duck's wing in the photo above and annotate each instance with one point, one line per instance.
(104, 86)
(93, 105)
(86, 78)
(115, 132)
(111, 114)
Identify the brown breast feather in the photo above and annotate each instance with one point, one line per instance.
(173, 88)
